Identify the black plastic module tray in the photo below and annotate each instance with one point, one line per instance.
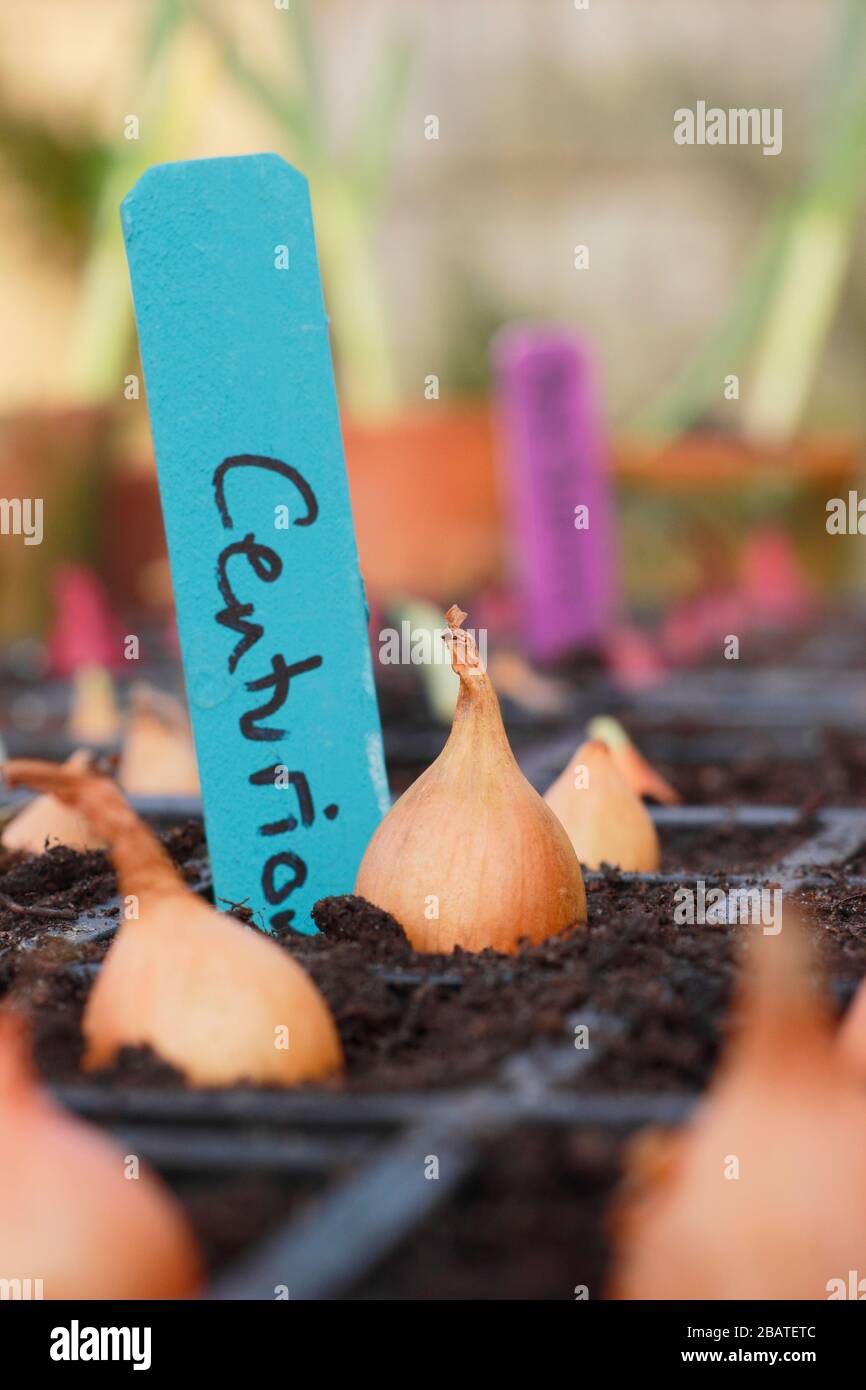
(363, 1160)
(359, 1164)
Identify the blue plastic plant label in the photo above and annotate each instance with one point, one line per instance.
(270, 604)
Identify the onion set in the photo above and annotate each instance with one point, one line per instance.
(470, 856)
(763, 1195)
(606, 821)
(158, 755)
(46, 821)
(93, 717)
(218, 1000)
(635, 768)
(74, 1211)
(852, 1034)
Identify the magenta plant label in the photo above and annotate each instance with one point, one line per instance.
(557, 489)
(270, 604)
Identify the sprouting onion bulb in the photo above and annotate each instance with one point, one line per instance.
(638, 772)
(93, 717)
(75, 1211)
(763, 1195)
(606, 821)
(46, 821)
(218, 1000)
(852, 1034)
(158, 755)
(470, 856)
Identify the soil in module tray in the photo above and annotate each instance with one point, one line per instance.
(798, 765)
(834, 773)
(727, 847)
(41, 897)
(231, 1212)
(528, 1224)
(411, 1021)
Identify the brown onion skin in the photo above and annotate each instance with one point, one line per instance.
(793, 1116)
(209, 995)
(69, 1214)
(472, 841)
(606, 822)
(47, 821)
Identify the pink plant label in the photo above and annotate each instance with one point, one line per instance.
(557, 490)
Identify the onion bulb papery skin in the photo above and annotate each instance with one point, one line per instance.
(158, 755)
(93, 718)
(640, 774)
(852, 1034)
(763, 1194)
(222, 1002)
(470, 856)
(69, 1213)
(606, 822)
(45, 822)
(209, 997)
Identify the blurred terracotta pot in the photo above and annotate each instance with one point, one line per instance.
(686, 508)
(701, 460)
(57, 456)
(425, 501)
(134, 552)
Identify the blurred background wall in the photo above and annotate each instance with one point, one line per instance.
(555, 128)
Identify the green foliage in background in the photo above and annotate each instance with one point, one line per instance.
(348, 187)
(776, 327)
(75, 180)
(60, 173)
